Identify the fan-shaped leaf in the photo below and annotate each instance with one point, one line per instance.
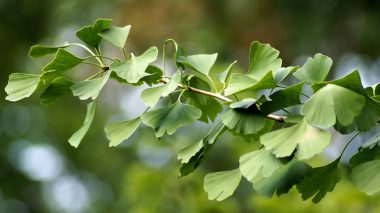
(201, 63)
(120, 131)
(244, 118)
(282, 98)
(262, 59)
(21, 85)
(168, 119)
(315, 69)
(57, 88)
(282, 180)
(220, 185)
(366, 177)
(38, 51)
(134, 69)
(192, 156)
(330, 104)
(239, 83)
(320, 181)
(116, 35)
(90, 88)
(308, 141)
(261, 162)
(151, 96)
(89, 34)
(63, 61)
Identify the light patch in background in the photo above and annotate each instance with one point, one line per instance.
(15, 120)
(66, 194)
(41, 162)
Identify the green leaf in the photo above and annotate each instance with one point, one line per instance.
(308, 141)
(192, 156)
(366, 177)
(282, 98)
(90, 88)
(168, 119)
(89, 34)
(315, 69)
(118, 132)
(151, 96)
(58, 87)
(116, 35)
(154, 77)
(330, 103)
(63, 61)
(201, 63)
(282, 180)
(280, 74)
(38, 51)
(77, 137)
(320, 181)
(239, 83)
(221, 185)
(21, 85)
(134, 69)
(209, 106)
(261, 162)
(224, 77)
(262, 59)
(244, 118)
(294, 119)
(366, 154)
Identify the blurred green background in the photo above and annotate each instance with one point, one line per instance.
(41, 172)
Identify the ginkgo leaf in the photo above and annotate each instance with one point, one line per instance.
(77, 137)
(209, 106)
(150, 96)
(224, 77)
(120, 131)
(280, 74)
(320, 181)
(329, 104)
(315, 69)
(63, 61)
(282, 98)
(282, 180)
(239, 83)
(57, 88)
(154, 77)
(260, 162)
(89, 34)
(21, 85)
(366, 177)
(38, 51)
(168, 119)
(221, 185)
(262, 59)
(244, 118)
(201, 63)
(134, 69)
(90, 88)
(192, 156)
(116, 35)
(308, 141)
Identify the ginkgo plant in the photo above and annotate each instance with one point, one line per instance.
(243, 104)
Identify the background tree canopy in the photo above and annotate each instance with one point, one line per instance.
(40, 172)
